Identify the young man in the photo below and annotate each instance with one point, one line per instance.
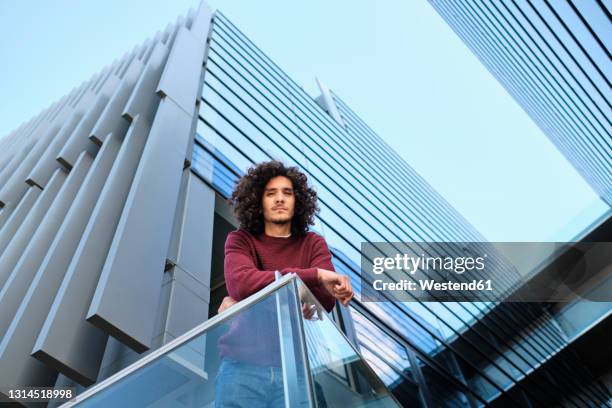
(275, 207)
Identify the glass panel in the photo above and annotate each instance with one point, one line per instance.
(384, 346)
(388, 359)
(340, 375)
(442, 392)
(578, 316)
(255, 356)
(233, 363)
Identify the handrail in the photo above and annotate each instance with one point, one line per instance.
(179, 341)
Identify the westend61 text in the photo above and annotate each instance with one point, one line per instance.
(430, 285)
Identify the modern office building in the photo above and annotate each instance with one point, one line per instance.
(112, 227)
(553, 57)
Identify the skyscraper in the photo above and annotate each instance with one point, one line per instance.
(114, 217)
(553, 57)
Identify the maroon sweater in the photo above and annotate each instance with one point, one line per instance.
(250, 262)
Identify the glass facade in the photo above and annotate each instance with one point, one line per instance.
(429, 353)
(553, 57)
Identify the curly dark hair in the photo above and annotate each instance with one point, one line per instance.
(247, 195)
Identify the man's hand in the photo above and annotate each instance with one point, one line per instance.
(226, 304)
(338, 285)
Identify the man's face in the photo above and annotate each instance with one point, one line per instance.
(278, 200)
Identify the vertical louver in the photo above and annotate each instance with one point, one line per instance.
(89, 189)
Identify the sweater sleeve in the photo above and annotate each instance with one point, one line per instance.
(321, 258)
(242, 276)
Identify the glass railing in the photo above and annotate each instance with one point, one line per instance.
(579, 316)
(276, 348)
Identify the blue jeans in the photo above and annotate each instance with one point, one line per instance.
(241, 385)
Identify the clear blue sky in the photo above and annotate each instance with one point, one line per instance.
(396, 63)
